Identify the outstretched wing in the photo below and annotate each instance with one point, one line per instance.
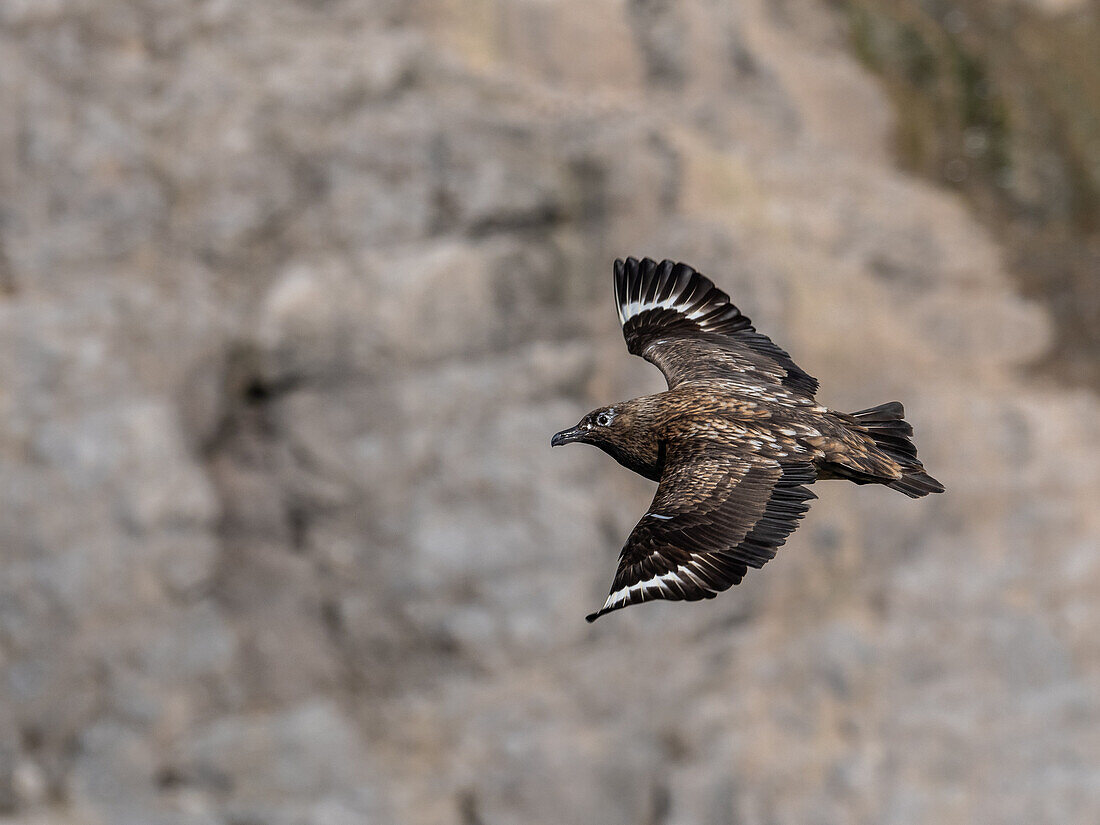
(715, 514)
(677, 319)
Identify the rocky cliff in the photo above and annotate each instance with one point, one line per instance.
(293, 296)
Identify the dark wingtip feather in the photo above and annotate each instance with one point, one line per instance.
(603, 611)
(890, 411)
(916, 485)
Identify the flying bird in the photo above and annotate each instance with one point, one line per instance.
(733, 442)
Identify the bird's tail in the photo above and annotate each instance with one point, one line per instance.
(892, 436)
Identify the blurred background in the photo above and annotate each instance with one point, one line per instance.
(293, 295)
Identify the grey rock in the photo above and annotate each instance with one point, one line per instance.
(291, 299)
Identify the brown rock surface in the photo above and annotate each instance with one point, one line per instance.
(293, 296)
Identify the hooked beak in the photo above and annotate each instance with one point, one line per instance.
(567, 436)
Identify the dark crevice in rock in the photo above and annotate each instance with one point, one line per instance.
(173, 778)
(298, 519)
(332, 616)
(445, 211)
(31, 738)
(467, 804)
(256, 392)
(590, 181)
(541, 218)
(660, 32)
(168, 778)
(660, 804)
(8, 284)
(669, 193)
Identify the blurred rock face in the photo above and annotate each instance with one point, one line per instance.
(294, 296)
(1000, 101)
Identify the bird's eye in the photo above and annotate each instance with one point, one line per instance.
(603, 419)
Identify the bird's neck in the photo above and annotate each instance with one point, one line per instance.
(645, 455)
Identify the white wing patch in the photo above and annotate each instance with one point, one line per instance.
(638, 588)
(635, 305)
(683, 575)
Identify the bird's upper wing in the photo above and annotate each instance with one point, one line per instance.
(715, 514)
(677, 319)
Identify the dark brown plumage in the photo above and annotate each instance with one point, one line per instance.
(733, 442)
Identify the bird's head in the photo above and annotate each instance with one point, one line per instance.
(599, 427)
(625, 431)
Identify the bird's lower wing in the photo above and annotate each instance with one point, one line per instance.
(715, 514)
